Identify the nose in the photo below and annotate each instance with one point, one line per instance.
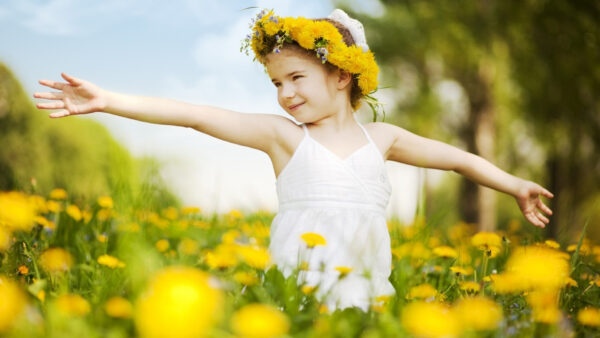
(287, 91)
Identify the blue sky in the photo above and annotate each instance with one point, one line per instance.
(186, 50)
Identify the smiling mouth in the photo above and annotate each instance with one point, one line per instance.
(296, 106)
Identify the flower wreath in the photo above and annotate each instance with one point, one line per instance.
(323, 38)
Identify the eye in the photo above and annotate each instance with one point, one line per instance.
(277, 84)
(297, 77)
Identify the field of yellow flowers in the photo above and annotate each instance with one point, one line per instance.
(102, 270)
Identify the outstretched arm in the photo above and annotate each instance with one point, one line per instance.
(77, 96)
(419, 151)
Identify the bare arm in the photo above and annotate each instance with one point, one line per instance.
(419, 151)
(78, 96)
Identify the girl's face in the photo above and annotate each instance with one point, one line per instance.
(305, 88)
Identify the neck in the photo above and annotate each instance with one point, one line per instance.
(340, 119)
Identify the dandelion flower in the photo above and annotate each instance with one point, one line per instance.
(469, 286)
(118, 307)
(478, 313)
(259, 320)
(72, 305)
(12, 304)
(429, 319)
(56, 260)
(58, 194)
(178, 302)
(423, 291)
(162, 245)
(17, 212)
(245, 278)
(313, 239)
(343, 270)
(486, 240)
(589, 316)
(105, 202)
(110, 261)
(445, 252)
(74, 212)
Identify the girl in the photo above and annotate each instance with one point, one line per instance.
(331, 180)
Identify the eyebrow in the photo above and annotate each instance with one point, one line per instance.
(290, 74)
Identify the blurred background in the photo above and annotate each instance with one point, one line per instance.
(514, 82)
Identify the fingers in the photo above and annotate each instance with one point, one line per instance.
(53, 84)
(61, 113)
(543, 207)
(547, 193)
(531, 217)
(541, 217)
(49, 95)
(51, 105)
(71, 79)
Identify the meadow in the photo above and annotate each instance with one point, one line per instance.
(104, 270)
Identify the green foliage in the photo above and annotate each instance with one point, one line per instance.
(39, 154)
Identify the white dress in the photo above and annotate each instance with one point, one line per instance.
(343, 200)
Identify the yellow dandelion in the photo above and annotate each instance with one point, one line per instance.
(224, 256)
(190, 210)
(571, 282)
(343, 270)
(53, 206)
(257, 258)
(102, 238)
(118, 307)
(469, 286)
(486, 240)
(58, 194)
(162, 245)
(12, 305)
(246, 278)
(104, 214)
(423, 291)
(56, 260)
(106, 202)
(313, 239)
(478, 313)
(170, 213)
(552, 244)
(230, 236)
(445, 252)
(308, 289)
(462, 271)
(17, 212)
(589, 316)
(72, 305)
(429, 320)
(74, 212)
(259, 320)
(178, 302)
(110, 261)
(188, 246)
(538, 267)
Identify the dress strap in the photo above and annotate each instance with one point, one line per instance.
(305, 129)
(363, 128)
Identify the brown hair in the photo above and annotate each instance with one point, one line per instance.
(355, 91)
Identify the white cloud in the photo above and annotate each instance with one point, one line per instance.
(64, 17)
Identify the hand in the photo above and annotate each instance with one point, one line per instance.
(74, 97)
(528, 200)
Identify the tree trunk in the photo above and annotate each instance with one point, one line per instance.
(478, 203)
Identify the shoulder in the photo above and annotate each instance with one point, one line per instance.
(288, 134)
(383, 134)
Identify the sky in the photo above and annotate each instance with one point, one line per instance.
(185, 50)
